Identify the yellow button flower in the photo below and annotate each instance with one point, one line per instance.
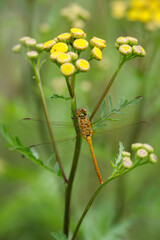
(67, 69)
(54, 56)
(80, 44)
(100, 39)
(60, 47)
(125, 49)
(77, 33)
(64, 37)
(95, 42)
(48, 45)
(96, 53)
(82, 65)
(63, 58)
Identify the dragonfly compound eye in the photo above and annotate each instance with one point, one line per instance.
(81, 112)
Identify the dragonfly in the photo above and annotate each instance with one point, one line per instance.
(87, 132)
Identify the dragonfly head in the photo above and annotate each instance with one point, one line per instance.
(81, 112)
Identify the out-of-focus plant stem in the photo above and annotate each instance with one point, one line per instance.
(38, 79)
(109, 84)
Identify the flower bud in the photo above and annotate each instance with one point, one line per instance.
(126, 154)
(30, 42)
(148, 148)
(122, 40)
(127, 163)
(22, 40)
(136, 146)
(142, 153)
(17, 48)
(116, 45)
(39, 47)
(32, 55)
(74, 56)
(153, 158)
(96, 53)
(67, 69)
(139, 51)
(125, 49)
(80, 44)
(82, 65)
(132, 41)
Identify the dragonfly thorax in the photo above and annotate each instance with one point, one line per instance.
(84, 123)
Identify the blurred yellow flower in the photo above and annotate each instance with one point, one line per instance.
(145, 11)
(118, 9)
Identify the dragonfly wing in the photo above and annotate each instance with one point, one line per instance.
(33, 120)
(65, 140)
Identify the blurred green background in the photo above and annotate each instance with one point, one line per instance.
(31, 199)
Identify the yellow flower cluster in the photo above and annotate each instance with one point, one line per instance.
(76, 15)
(66, 48)
(145, 11)
(127, 46)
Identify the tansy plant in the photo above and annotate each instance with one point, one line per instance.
(65, 51)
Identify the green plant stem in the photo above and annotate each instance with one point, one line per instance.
(74, 166)
(69, 87)
(107, 89)
(113, 176)
(38, 78)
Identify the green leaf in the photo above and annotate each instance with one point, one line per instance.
(56, 96)
(57, 170)
(123, 103)
(15, 144)
(119, 157)
(104, 107)
(110, 103)
(59, 236)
